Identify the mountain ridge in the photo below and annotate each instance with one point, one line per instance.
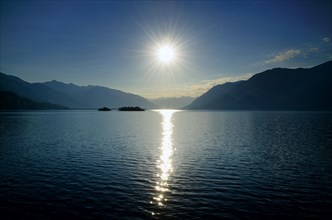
(97, 94)
(33, 91)
(71, 95)
(274, 89)
(11, 101)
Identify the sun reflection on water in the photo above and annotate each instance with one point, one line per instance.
(164, 162)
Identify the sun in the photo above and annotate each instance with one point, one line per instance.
(166, 53)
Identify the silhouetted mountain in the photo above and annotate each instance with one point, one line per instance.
(68, 88)
(71, 95)
(11, 101)
(34, 91)
(95, 96)
(174, 103)
(276, 89)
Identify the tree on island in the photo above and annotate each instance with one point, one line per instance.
(104, 109)
(130, 108)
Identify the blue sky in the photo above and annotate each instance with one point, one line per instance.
(113, 43)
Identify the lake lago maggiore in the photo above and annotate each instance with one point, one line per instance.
(165, 164)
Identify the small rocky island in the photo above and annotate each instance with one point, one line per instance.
(130, 108)
(105, 109)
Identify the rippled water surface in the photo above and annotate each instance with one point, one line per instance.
(165, 164)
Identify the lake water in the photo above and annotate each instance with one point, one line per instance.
(165, 165)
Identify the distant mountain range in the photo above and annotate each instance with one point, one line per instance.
(71, 95)
(11, 101)
(172, 103)
(275, 89)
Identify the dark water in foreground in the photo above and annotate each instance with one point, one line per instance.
(168, 165)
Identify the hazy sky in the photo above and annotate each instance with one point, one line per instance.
(114, 44)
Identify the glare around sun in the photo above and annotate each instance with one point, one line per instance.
(166, 54)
